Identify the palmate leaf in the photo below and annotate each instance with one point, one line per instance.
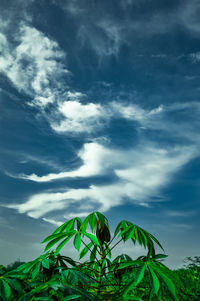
(26, 267)
(120, 226)
(165, 277)
(56, 240)
(63, 243)
(133, 283)
(85, 250)
(67, 226)
(155, 280)
(7, 292)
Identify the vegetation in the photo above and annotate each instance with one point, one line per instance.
(53, 276)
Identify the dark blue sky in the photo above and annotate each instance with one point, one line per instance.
(99, 110)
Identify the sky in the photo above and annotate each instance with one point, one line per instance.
(99, 111)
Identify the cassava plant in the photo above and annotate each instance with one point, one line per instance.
(56, 277)
(109, 279)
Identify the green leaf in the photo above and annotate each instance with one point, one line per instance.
(45, 263)
(78, 222)
(67, 226)
(85, 250)
(92, 221)
(71, 297)
(50, 237)
(131, 263)
(128, 234)
(119, 227)
(61, 245)
(101, 218)
(156, 283)
(54, 241)
(77, 241)
(15, 284)
(133, 283)
(93, 253)
(162, 273)
(93, 238)
(124, 231)
(26, 267)
(36, 270)
(160, 256)
(6, 289)
(84, 224)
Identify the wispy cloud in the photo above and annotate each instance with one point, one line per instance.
(92, 155)
(34, 65)
(143, 173)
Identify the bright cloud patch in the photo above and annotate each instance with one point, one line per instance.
(79, 117)
(142, 174)
(92, 155)
(34, 65)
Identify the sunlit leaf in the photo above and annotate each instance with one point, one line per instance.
(93, 238)
(92, 221)
(77, 241)
(63, 243)
(36, 270)
(55, 241)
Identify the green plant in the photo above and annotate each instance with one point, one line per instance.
(53, 276)
(121, 276)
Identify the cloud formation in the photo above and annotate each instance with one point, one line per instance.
(34, 65)
(143, 173)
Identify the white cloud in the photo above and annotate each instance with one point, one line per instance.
(79, 117)
(143, 173)
(92, 155)
(34, 65)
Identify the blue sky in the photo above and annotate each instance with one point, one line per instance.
(100, 110)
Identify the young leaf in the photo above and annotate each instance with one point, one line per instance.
(101, 218)
(84, 224)
(119, 227)
(54, 241)
(92, 221)
(77, 241)
(61, 245)
(93, 238)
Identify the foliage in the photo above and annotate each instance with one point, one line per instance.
(53, 276)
